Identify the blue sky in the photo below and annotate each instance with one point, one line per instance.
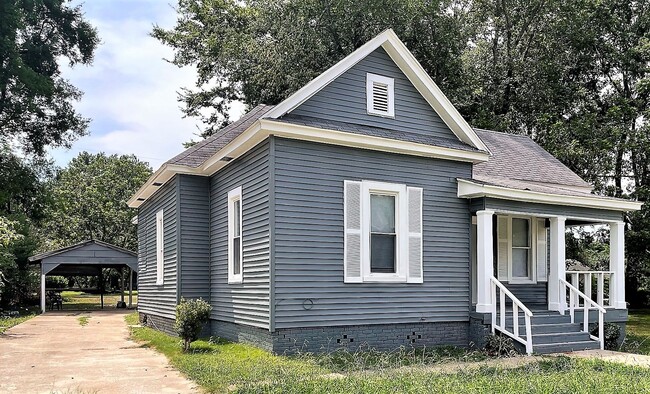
(130, 92)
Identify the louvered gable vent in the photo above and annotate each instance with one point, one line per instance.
(380, 95)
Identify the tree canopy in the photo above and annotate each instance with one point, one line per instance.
(89, 200)
(36, 102)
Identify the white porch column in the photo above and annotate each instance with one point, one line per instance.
(617, 264)
(556, 298)
(42, 289)
(484, 260)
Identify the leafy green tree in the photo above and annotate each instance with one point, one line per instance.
(262, 51)
(35, 101)
(89, 200)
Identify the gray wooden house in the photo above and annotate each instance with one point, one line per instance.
(364, 209)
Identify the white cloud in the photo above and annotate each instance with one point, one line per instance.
(130, 91)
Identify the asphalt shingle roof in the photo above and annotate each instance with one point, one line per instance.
(518, 162)
(196, 155)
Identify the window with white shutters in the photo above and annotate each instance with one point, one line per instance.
(383, 232)
(380, 94)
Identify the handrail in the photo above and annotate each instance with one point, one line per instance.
(587, 282)
(589, 272)
(516, 306)
(575, 302)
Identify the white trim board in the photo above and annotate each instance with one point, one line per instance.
(263, 128)
(469, 189)
(409, 66)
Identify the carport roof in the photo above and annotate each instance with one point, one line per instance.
(90, 252)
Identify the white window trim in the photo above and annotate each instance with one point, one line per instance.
(401, 230)
(233, 196)
(160, 248)
(390, 83)
(532, 253)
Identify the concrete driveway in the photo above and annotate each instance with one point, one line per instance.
(53, 353)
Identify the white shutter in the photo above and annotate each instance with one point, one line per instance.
(541, 251)
(415, 271)
(352, 238)
(503, 256)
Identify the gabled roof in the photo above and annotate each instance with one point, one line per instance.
(39, 257)
(405, 60)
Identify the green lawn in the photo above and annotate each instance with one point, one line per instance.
(77, 300)
(223, 366)
(638, 331)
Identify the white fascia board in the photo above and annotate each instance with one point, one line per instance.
(344, 138)
(162, 175)
(409, 66)
(469, 189)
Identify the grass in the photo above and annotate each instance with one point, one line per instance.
(638, 332)
(77, 300)
(219, 366)
(83, 320)
(8, 322)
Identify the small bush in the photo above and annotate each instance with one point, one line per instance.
(498, 345)
(612, 333)
(191, 315)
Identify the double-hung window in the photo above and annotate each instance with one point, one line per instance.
(521, 250)
(235, 244)
(160, 248)
(383, 232)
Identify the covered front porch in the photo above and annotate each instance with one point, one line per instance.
(520, 283)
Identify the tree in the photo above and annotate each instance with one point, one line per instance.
(35, 101)
(262, 51)
(89, 200)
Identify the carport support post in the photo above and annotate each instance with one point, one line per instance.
(101, 285)
(130, 286)
(42, 289)
(122, 284)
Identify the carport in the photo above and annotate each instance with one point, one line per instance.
(87, 258)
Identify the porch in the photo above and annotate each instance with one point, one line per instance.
(520, 284)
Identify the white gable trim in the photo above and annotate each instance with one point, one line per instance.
(469, 189)
(409, 66)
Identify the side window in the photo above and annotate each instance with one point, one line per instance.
(160, 248)
(235, 244)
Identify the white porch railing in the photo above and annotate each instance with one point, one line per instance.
(587, 304)
(603, 279)
(517, 306)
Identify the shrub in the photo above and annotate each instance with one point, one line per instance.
(498, 345)
(191, 315)
(612, 333)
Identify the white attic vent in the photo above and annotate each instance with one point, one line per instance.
(380, 95)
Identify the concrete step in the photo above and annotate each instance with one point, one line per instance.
(539, 319)
(565, 347)
(554, 328)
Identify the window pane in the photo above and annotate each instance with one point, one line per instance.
(520, 230)
(382, 213)
(382, 253)
(236, 255)
(237, 211)
(520, 263)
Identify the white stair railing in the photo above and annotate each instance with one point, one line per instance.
(602, 278)
(587, 303)
(517, 306)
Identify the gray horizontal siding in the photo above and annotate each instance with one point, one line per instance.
(543, 209)
(308, 227)
(529, 293)
(344, 100)
(153, 299)
(194, 237)
(248, 302)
